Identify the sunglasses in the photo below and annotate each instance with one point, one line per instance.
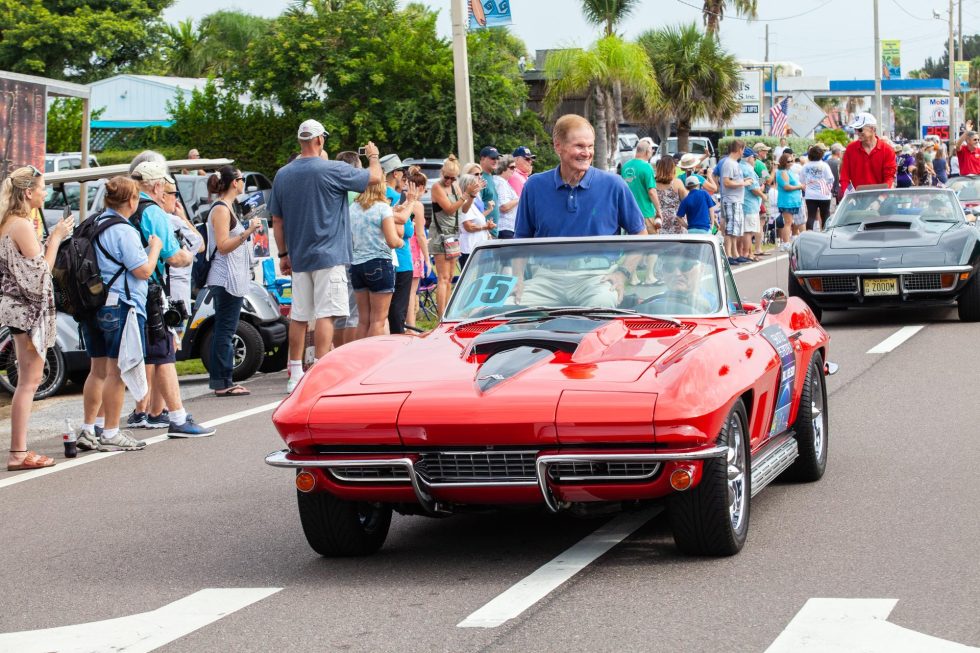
(685, 265)
(34, 171)
(450, 178)
(512, 167)
(169, 192)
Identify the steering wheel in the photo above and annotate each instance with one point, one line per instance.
(672, 302)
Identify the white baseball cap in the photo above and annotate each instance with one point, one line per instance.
(310, 129)
(863, 120)
(151, 171)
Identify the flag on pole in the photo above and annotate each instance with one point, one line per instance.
(778, 117)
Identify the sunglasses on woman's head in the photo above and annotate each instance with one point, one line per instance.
(34, 171)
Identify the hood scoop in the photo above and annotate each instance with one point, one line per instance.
(557, 334)
(509, 363)
(878, 225)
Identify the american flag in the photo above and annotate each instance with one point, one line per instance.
(778, 116)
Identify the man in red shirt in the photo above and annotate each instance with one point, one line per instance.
(867, 160)
(968, 151)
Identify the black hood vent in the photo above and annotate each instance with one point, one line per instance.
(557, 334)
(508, 363)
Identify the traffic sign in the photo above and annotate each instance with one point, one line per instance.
(804, 114)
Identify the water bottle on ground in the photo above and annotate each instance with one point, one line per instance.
(70, 440)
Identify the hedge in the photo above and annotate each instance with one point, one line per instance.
(797, 144)
(115, 157)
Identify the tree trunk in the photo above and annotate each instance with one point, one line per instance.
(612, 131)
(618, 102)
(683, 135)
(712, 19)
(601, 128)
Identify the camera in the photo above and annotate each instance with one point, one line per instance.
(176, 313)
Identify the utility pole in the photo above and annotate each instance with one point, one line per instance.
(960, 4)
(767, 43)
(876, 107)
(461, 66)
(953, 122)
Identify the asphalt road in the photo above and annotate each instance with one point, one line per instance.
(894, 517)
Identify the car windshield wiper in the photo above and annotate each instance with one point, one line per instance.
(552, 311)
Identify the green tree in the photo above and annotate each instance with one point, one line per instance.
(594, 72)
(226, 35)
(609, 14)
(79, 41)
(184, 54)
(697, 78)
(939, 68)
(64, 128)
(714, 12)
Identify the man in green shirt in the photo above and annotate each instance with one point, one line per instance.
(638, 175)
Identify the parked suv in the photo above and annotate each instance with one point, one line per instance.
(67, 161)
(695, 144)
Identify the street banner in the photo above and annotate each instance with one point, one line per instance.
(961, 73)
(891, 59)
(23, 115)
(489, 13)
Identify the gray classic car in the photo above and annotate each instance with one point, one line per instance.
(890, 248)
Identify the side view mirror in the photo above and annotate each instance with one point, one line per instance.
(251, 189)
(773, 302)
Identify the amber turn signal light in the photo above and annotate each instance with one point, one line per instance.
(681, 479)
(947, 280)
(816, 284)
(305, 482)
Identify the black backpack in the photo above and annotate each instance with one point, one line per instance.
(202, 261)
(78, 285)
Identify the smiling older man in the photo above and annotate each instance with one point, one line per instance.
(576, 199)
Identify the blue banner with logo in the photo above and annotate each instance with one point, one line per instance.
(489, 13)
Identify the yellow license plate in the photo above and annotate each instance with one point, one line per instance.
(877, 287)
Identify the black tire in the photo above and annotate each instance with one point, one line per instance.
(968, 304)
(811, 426)
(338, 528)
(275, 361)
(795, 289)
(248, 347)
(52, 380)
(700, 518)
(78, 377)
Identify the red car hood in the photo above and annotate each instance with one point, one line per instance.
(462, 395)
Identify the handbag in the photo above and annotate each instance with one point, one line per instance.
(451, 243)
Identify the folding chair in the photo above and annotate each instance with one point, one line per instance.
(427, 294)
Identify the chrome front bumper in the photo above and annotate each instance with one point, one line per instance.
(286, 459)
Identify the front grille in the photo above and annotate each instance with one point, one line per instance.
(839, 284)
(585, 470)
(922, 281)
(477, 466)
(358, 473)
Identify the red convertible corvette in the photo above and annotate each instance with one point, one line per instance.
(548, 384)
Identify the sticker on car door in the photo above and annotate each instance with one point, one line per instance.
(776, 337)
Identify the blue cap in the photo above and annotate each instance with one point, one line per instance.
(523, 151)
(490, 151)
(747, 152)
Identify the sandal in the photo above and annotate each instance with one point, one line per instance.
(31, 461)
(233, 391)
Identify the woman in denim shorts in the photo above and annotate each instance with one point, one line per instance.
(372, 272)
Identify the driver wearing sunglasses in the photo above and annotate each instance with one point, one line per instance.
(685, 292)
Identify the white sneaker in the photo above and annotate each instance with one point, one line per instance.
(292, 383)
(121, 441)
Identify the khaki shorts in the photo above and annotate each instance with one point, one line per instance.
(752, 223)
(319, 294)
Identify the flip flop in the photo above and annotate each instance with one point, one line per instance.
(31, 461)
(233, 391)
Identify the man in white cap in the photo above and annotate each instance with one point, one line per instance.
(868, 159)
(312, 230)
(967, 150)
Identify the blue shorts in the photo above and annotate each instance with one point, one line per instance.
(102, 334)
(792, 210)
(376, 275)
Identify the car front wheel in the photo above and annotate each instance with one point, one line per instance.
(968, 304)
(52, 378)
(811, 426)
(247, 348)
(338, 528)
(712, 519)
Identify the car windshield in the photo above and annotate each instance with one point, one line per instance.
(54, 199)
(679, 278)
(968, 190)
(938, 206)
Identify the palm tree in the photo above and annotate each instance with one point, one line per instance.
(226, 35)
(697, 78)
(593, 72)
(609, 14)
(184, 55)
(714, 11)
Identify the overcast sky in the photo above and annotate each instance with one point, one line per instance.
(824, 37)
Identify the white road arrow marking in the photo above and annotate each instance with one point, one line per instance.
(138, 633)
(855, 626)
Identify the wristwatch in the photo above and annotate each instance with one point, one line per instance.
(284, 255)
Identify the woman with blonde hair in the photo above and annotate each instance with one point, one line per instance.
(447, 202)
(27, 299)
(372, 271)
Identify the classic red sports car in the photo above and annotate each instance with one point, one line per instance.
(554, 380)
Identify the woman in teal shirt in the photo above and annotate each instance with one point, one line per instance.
(789, 199)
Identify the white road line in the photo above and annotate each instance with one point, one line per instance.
(895, 339)
(752, 266)
(138, 633)
(546, 579)
(91, 458)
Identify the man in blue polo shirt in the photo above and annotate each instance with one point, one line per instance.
(576, 199)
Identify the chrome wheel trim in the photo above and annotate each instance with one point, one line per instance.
(737, 496)
(816, 415)
(238, 348)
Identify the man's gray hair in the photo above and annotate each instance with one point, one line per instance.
(504, 162)
(644, 146)
(836, 148)
(146, 155)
